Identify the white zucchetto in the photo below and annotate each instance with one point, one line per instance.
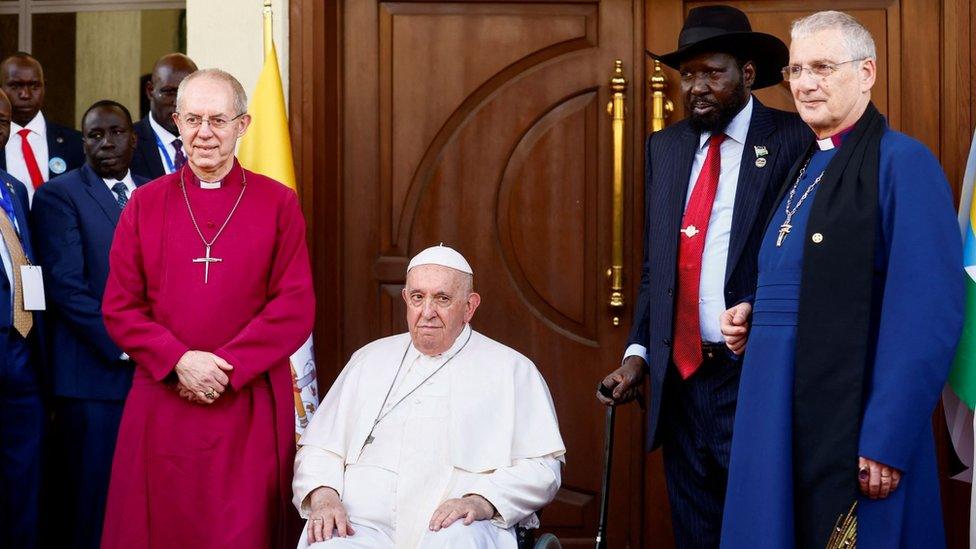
(443, 256)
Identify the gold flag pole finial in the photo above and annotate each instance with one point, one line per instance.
(268, 44)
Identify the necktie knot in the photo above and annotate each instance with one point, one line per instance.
(23, 132)
(180, 158)
(119, 189)
(716, 139)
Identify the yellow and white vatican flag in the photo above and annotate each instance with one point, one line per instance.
(266, 149)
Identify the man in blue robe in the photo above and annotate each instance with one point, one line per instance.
(854, 323)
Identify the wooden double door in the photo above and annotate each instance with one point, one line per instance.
(483, 125)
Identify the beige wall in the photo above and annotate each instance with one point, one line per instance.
(109, 63)
(227, 34)
(107, 59)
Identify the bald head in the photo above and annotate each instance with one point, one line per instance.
(22, 79)
(167, 74)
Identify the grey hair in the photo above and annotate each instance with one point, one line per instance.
(856, 38)
(240, 96)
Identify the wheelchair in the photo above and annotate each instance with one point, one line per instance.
(526, 540)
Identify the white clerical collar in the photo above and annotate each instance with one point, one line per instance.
(36, 125)
(127, 180)
(164, 135)
(208, 185)
(737, 129)
(462, 338)
(825, 144)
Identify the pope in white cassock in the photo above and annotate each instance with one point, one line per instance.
(440, 437)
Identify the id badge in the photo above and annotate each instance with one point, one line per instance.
(32, 281)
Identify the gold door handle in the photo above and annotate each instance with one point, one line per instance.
(661, 106)
(616, 110)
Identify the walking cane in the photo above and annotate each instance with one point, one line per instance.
(601, 528)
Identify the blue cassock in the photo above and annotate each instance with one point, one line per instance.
(915, 327)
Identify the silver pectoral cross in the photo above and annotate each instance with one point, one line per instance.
(206, 264)
(784, 230)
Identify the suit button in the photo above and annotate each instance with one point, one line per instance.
(667, 342)
(670, 291)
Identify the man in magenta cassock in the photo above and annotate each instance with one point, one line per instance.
(209, 292)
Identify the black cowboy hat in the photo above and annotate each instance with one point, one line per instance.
(725, 29)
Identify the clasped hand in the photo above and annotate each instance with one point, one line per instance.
(203, 376)
(735, 327)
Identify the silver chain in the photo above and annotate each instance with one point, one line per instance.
(789, 199)
(226, 221)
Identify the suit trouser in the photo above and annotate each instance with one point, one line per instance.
(21, 431)
(83, 435)
(696, 436)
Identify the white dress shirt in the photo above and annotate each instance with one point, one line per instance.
(130, 185)
(16, 166)
(711, 291)
(166, 138)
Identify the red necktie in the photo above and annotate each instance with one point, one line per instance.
(687, 352)
(30, 159)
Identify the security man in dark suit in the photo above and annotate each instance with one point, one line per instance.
(22, 415)
(74, 218)
(159, 150)
(38, 149)
(710, 182)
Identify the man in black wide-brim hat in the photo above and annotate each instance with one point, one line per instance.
(710, 182)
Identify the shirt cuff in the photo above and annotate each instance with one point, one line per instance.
(124, 356)
(636, 350)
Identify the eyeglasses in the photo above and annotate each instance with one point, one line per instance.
(217, 122)
(820, 69)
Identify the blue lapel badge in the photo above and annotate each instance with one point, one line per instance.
(57, 165)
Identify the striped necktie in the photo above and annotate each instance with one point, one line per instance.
(119, 189)
(23, 319)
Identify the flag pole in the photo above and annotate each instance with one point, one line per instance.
(268, 44)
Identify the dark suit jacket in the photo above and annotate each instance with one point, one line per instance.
(73, 220)
(669, 157)
(62, 142)
(19, 196)
(146, 161)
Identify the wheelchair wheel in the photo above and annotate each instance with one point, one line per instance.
(547, 541)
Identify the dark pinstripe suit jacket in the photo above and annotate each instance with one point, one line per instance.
(669, 156)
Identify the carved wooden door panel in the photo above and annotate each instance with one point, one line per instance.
(484, 126)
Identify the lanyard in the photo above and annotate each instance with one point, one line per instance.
(6, 202)
(170, 168)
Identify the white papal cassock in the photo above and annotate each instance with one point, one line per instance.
(483, 424)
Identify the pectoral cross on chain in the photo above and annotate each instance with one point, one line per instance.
(784, 230)
(206, 264)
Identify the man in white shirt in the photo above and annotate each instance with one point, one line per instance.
(38, 149)
(710, 181)
(74, 218)
(159, 150)
(437, 438)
